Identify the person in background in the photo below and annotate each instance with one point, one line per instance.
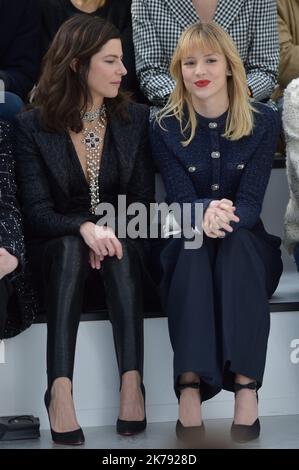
(158, 24)
(288, 27)
(290, 119)
(215, 147)
(19, 53)
(85, 143)
(55, 12)
(18, 303)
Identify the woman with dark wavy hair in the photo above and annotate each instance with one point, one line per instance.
(85, 143)
(55, 12)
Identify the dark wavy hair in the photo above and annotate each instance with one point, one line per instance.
(62, 93)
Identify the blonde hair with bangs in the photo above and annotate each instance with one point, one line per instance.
(210, 36)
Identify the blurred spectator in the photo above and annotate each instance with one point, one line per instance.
(19, 52)
(288, 26)
(291, 128)
(18, 304)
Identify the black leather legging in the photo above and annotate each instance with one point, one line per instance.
(65, 269)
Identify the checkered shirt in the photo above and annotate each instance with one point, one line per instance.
(158, 24)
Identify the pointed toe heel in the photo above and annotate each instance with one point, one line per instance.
(242, 433)
(191, 435)
(71, 438)
(130, 428)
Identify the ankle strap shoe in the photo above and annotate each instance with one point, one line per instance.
(190, 435)
(246, 432)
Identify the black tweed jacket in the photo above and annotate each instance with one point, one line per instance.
(45, 181)
(22, 306)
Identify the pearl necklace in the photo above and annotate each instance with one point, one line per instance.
(93, 138)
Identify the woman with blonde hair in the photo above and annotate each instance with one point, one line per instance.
(214, 147)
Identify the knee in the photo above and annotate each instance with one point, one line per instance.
(131, 248)
(240, 237)
(129, 261)
(69, 249)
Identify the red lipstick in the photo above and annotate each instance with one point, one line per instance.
(202, 83)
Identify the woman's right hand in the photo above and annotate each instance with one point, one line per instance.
(95, 260)
(101, 240)
(8, 262)
(217, 218)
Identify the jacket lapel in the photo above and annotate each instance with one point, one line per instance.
(225, 14)
(173, 139)
(186, 14)
(125, 141)
(54, 151)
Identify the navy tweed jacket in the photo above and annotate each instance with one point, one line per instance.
(213, 167)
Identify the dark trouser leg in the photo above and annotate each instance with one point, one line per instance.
(188, 297)
(65, 265)
(246, 275)
(123, 286)
(5, 292)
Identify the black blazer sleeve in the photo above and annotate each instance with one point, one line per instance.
(141, 187)
(35, 195)
(11, 236)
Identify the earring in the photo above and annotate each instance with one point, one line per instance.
(228, 73)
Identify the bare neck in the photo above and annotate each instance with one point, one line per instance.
(211, 108)
(205, 9)
(88, 6)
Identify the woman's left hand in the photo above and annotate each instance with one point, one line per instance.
(95, 260)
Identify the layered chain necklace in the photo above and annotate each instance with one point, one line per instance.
(93, 138)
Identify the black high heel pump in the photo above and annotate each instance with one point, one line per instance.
(129, 428)
(71, 438)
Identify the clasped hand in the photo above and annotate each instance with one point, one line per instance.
(217, 218)
(102, 242)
